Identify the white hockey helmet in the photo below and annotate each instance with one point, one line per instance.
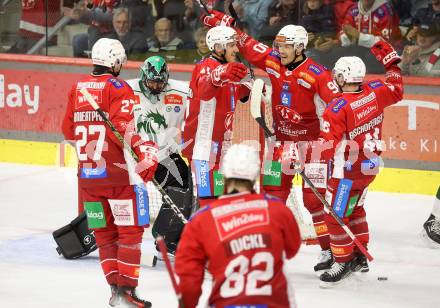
(293, 35)
(220, 35)
(352, 69)
(108, 52)
(241, 162)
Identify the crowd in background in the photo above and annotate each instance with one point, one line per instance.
(336, 27)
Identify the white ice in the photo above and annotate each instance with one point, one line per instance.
(34, 201)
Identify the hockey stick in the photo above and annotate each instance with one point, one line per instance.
(330, 210)
(163, 250)
(234, 15)
(203, 5)
(256, 96)
(166, 197)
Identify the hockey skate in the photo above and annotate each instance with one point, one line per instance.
(432, 234)
(360, 264)
(336, 274)
(325, 261)
(115, 298)
(128, 298)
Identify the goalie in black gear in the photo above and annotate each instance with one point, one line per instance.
(432, 225)
(174, 176)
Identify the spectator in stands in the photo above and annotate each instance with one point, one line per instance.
(340, 9)
(133, 41)
(281, 13)
(365, 22)
(367, 19)
(422, 59)
(428, 14)
(163, 39)
(201, 49)
(99, 18)
(319, 21)
(33, 23)
(253, 14)
(141, 16)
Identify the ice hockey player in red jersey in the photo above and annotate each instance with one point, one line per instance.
(242, 239)
(352, 130)
(301, 89)
(116, 210)
(214, 92)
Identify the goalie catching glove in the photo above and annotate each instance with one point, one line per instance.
(385, 53)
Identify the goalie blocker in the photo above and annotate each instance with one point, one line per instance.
(75, 240)
(180, 190)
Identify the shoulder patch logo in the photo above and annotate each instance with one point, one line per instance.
(375, 84)
(116, 83)
(315, 69)
(339, 104)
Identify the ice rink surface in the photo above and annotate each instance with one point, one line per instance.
(34, 201)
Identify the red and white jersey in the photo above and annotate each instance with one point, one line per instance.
(208, 124)
(299, 96)
(354, 123)
(380, 20)
(242, 239)
(33, 17)
(100, 154)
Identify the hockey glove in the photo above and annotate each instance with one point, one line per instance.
(230, 72)
(385, 53)
(147, 154)
(217, 18)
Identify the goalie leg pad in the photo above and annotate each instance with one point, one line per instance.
(75, 240)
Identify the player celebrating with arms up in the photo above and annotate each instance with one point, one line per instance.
(116, 210)
(214, 92)
(301, 89)
(241, 238)
(353, 128)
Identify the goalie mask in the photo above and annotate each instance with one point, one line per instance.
(154, 75)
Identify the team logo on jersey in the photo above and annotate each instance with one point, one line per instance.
(233, 218)
(173, 99)
(288, 114)
(151, 122)
(286, 86)
(176, 109)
